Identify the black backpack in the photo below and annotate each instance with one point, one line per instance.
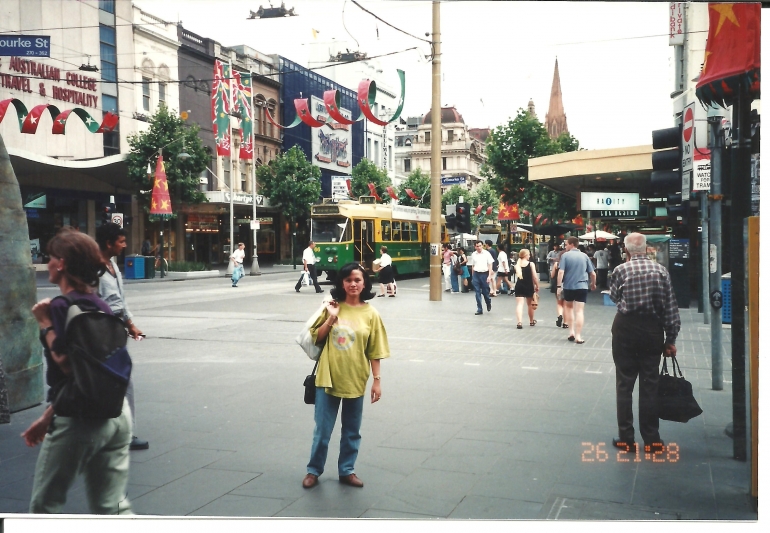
(101, 366)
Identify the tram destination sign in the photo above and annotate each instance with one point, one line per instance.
(25, 45)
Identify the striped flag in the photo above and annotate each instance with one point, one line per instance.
(220, 107)
(242, 103)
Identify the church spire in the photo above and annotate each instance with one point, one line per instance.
(556, 119)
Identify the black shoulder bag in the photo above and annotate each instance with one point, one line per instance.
(310, 386)
(675, 399)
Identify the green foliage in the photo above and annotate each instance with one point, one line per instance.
(186, 266)
(182, 175)
(508, 149)
(291, 182)
(452, 196)
(367, 172)
(419, 182)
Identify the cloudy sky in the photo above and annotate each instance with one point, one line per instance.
(614, 58)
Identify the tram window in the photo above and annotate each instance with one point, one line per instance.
(412, 231)
(385, 230)
(330, 230)
(405, 231)
(396, 230)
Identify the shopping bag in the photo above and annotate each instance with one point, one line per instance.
(675, 398)
(305, 339)
(305, 278)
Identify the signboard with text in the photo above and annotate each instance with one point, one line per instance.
(340, 189)
(332, 144)
(609, 201)
(675, 23)
(702, 174)
(25, 45)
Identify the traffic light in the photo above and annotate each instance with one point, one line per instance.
(666, 177)
(108, 211)
(451, 221)
(463, 217)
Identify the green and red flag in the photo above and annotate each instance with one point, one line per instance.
(160, 204)
(242, 103)
(732, 57)
(220, 107)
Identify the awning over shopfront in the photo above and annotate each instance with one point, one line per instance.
(625, 169)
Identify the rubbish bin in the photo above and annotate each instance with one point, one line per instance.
(134, 267)
(149, 267)
(727, 307)
(542, 268)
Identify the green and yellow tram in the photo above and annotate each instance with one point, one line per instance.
(351, 230)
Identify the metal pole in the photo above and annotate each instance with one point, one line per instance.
(717, 146)
(161, 246)
(704, 244)
(230, 266)
(255, 271)
(435, 162)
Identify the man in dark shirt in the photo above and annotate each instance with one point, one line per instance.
(646, 325)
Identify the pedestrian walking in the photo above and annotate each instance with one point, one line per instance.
(560, 322)
(551, 257)
(645, 326)
(237, 259)
(94, 447)
(111, 239)
(495, 264)
(575, 269)
(354, 341)
(446, 266)
(465, 275)
(526, 287)
(503, 269)
(481, 270)
(602, 257)
(308, 262)
(385, 274)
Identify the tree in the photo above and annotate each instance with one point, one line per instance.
(508, 149)
(419, 182)
(365, 173)
(452, 196)
(291, 182)
(166, 128)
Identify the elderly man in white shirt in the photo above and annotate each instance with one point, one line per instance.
(480, 263)
(308, 259)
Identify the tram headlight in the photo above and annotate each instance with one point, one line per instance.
(329, 259)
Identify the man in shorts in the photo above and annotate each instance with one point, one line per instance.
(575, 269)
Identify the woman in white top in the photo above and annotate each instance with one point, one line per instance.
(503, 268)
(385, 272)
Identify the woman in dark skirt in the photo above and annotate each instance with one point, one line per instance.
(526, 287)
(385, 274)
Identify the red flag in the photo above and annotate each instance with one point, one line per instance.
(489, 210)
(411, 194)
(545, 220)
(373, 190)
(732, 52)
(391, 192)
(350, 190)
(525, 212)
(478, 209)
(508, 212)
(578, 220)
(161, 201)
(537, 219)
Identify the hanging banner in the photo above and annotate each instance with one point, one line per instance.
(331, 145)
(242, 103)
(220, 107)
(161, 201)
(29, 121)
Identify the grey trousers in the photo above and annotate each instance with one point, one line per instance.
(98, 449)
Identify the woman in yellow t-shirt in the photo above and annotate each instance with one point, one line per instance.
(354, 341)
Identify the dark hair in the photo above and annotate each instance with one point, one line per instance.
(82, 260)
(338, 292)
(108, 233)
(488, 242)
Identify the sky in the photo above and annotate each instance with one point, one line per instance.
(614, 58)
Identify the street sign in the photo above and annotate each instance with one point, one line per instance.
(25, 45)
(688, 138)
(117, 218)
(702, 174)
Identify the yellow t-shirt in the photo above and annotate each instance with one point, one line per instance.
(356, 337)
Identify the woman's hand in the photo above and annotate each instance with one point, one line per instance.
(36, 432)
(42, 312)
(376, 391)
(333, 308)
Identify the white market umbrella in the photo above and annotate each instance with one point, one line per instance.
(599, 234)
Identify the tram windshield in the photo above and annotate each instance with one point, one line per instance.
(330, 230)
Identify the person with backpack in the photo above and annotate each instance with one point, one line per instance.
(95, 442)
(111, 239)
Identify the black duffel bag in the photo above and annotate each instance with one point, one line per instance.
(675, 399)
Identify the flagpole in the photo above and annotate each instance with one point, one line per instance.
(255, 271)
(230, 266)
(160, 154)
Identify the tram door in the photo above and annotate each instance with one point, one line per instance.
(364, 242)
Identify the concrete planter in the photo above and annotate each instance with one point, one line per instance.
(191, 275)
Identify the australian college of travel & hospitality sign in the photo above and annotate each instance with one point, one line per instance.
(610, 205)
(30, 76)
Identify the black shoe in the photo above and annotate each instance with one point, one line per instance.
(319, 291)
(138, 444)
(559, 321)
(479, 312)
(624, 444)
(296, 289)
(489, 307)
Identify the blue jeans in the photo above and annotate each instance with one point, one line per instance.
(454, 280)
(482, 287)
(326, 407)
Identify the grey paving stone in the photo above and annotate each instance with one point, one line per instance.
(12, 505)
(425, 491)
(233, 505)
(396, 460)
(172, 465)
(675, 492)
(518, 480)
(428, 436)
(189, 493)
(481, 508)
(286, 484)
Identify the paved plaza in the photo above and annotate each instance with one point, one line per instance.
(478, 420)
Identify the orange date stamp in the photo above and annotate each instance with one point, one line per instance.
(656, 453)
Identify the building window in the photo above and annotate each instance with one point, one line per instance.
(107, 5)
(449, 136)
(427, 136)
(146, 94)
(161, 93)
(376, 152)
(107, 53)
(443, 163)
(390, 158)
(243, 181)
(407, 165)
